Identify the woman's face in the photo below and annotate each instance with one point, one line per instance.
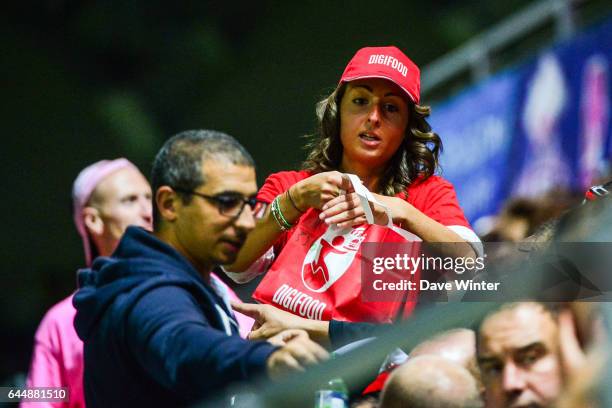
(374, 115)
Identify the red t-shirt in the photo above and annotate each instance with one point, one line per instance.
(434, 197)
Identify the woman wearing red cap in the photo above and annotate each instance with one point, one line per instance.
(373, 126)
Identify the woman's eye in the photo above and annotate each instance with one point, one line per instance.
(389, 107)
(360, 101)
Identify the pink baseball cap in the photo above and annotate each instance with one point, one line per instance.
(388, 63)
(84, 185)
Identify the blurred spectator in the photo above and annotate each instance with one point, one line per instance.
(107, 197)
(521, 217)
(537, 355)
(457, 345)
(514, 221)
(431, 381)
(518, 354)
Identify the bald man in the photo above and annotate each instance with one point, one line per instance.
(430, 381)
(107, 196)
(457, 346)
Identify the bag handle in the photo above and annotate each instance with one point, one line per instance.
(365, 197)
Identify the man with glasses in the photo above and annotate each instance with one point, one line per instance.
(157, 330)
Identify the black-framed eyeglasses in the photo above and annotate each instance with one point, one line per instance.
(228, 204)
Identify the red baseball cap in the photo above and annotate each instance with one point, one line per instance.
(388, 63)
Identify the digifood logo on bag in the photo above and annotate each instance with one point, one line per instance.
(330, 256)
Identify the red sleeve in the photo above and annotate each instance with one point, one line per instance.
(278, 183)
(436, 198)
(275, 184)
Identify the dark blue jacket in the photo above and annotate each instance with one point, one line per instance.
(154, 331)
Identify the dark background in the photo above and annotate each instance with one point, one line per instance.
(85, 80)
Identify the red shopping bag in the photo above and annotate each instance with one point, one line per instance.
(318, 273)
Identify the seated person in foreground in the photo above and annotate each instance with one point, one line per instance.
(431, 381)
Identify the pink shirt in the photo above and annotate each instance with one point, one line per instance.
(57, 359)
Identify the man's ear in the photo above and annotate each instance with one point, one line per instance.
(168, 202)
(93, 222)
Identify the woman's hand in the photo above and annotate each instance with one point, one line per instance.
(345, 210)
(317, 190)
(269, 320)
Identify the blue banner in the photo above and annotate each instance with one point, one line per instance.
(526, 131)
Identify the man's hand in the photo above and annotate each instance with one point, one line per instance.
(270, 321)
(296, 353)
